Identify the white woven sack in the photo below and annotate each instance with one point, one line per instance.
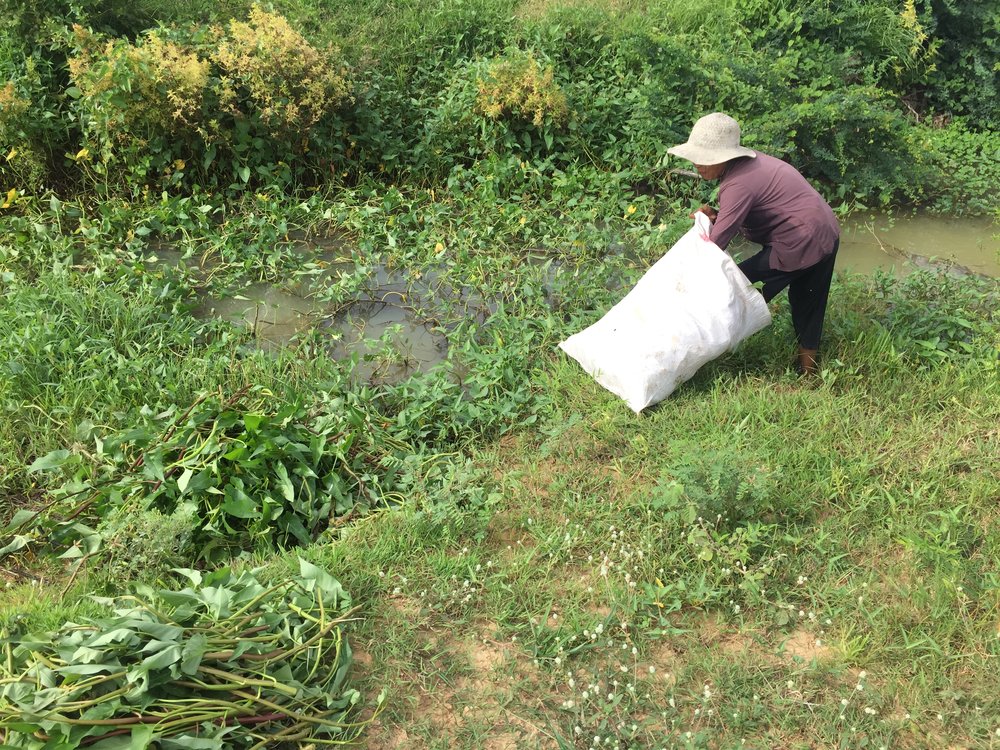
(691, 306)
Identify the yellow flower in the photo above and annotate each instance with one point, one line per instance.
(12, 154)
(523, 221)
(83, 153)
(439, 248)
(11, 197)
(631, 210)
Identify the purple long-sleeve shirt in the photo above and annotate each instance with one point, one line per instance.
(769, 202)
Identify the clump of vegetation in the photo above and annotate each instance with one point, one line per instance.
(245, 477)
(144, 544)
(30, 129)
(172, 100)
(230, 660)
(270, 71)
(518, 86)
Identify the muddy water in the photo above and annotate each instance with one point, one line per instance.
(379, 328)
(274, 315)
(903, 244)
(390, 341)
(960, 246)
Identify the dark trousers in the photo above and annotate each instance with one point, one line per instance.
(808, 290)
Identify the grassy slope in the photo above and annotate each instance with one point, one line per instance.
(872, 579)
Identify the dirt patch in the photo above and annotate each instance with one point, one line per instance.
(713, 633)
(664, 661)
(503, 741)
(602, 611)
(485, 659)
(440, 710)
(804, 645)
(506, 536)
(406, 606)
(380, 737)
(361, 657)
(483, 674)
(539, 480)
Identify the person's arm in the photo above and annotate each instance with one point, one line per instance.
(734, 205)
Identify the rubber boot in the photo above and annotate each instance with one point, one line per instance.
(807, 361)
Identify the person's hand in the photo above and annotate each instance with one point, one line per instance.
(710, 212)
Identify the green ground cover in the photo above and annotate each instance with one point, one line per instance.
(515, 558)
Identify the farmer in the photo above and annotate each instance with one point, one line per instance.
(769, 202)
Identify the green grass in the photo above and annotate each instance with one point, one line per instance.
(761, 561)
(876, 568)
(732, 564)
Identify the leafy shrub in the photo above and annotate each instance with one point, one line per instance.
(137, 97)
(228, 662)
(252, 475)
(174, 102)
(31, 129)
(880, 40)
(269, 71)
(961, 169)
(508, 105)
(517, 86)
(964, 46)
(852, 140)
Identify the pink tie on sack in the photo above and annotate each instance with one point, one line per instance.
(704, 225)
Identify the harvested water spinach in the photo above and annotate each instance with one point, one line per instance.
(229, 662)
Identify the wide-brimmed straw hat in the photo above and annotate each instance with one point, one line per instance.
(714, 139)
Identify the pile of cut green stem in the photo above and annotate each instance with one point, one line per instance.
(229, 662)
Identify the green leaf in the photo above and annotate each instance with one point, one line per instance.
(187, 742)
(192, 654)
(284, 483)
(18, 542)
(238, 504)
(20, 518)
(316, 577)
(140, 739)
(52, 460)
(244, 173)
(89, 669)
(118, 635)
(183, 479)
(159, 630)
(163, 658)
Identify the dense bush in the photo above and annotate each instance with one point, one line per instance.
(226, 104)
(964, 81)
(961, 169)
(32, 126)
(850, 139)
(242, 98)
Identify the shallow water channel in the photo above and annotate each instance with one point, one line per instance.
(382, 328)
(900, 245)
(958, 245)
